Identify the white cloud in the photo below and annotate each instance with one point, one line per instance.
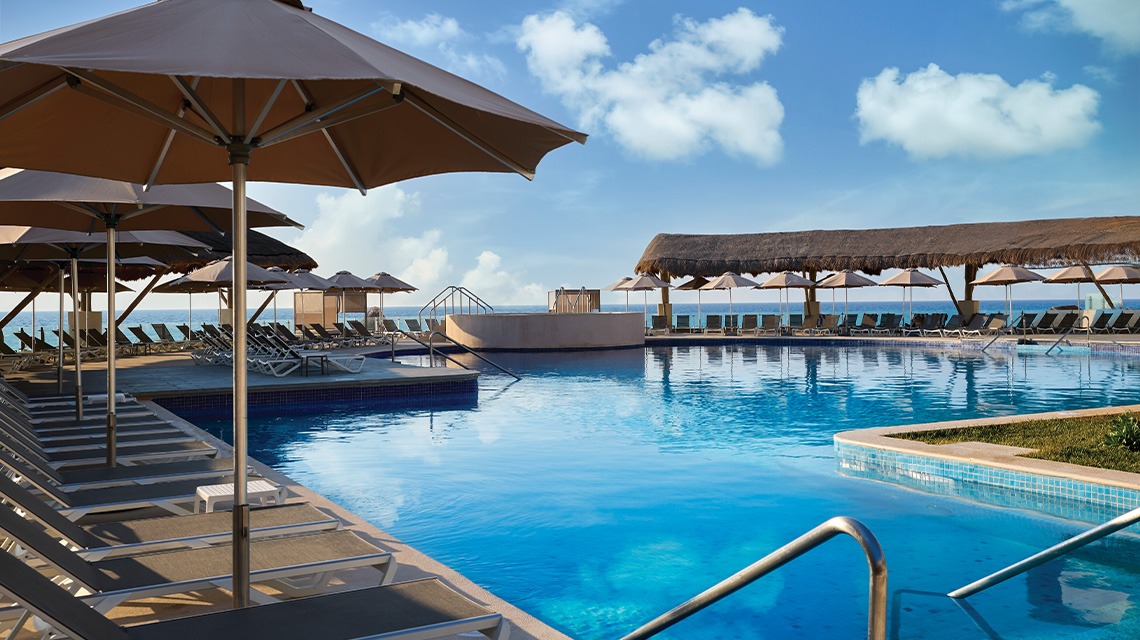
(442, 37)
(932, 114)
(491, 282)
(1103, 74)
(1116, 22)
(671, 102)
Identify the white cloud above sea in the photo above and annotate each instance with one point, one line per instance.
(932, 114)
(676, 100)
(359, 233)
(1115, 22)
(442, 39)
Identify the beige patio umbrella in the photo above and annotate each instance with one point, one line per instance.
(909, 279)
(845, 280)
(1006, 276)
(645, 284)
(1121, 274)
(347, 281)
(35, 243)
(729, 280)
(694, 284)
(185, 91)
(617, 286)
(80, 203)
(1075, 274)
(387, 283)
(784, 281)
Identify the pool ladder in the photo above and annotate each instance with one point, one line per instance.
(876, 564)
(1057, 550)
(430, 346)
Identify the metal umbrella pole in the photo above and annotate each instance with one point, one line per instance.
(78, 357)
(112, 342)
(59, 346)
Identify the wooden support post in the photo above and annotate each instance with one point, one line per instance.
(949, 289)
(139, 298)
(1089, 273)
(26, 301)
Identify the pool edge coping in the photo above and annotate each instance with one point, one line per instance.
(994, 455)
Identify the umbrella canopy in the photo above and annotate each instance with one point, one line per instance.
(729, 280)
(220, 274)
(644, 283)
(1007, 275)
(617, 286)
(35, 243)
(1119, 274)
(184, 285)
(346, 281)
(693, 285)
(910, 278)
(62, 201)
(845, 280)
(1069, 275)
(168, 85)
(311, 280)
(88, 281)
(787, 280)
(390, 284)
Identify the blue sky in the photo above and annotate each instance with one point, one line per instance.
(731, 117)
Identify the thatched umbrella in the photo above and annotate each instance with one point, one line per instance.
(1075, 274)
(617, 286)
(909, 279)
(1007, 276)
(645, 284)
(845, 280)
(785, 281)
(694, 284)
(1121, 275)
(729, 281)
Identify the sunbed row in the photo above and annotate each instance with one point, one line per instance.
(51, 549)
(1053, 321)
(272, 350)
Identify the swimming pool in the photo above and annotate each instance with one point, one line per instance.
(606, 487)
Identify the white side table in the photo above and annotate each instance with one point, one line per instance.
(260, 490)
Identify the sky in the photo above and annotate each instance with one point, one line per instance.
(728, 117)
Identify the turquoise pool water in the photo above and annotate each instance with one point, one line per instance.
(606, 487)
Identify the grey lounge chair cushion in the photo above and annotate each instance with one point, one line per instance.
(201, 524)
(138, 492)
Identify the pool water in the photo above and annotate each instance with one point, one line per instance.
(606, 487)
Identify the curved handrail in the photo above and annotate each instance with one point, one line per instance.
(442, 298)
(876, 564)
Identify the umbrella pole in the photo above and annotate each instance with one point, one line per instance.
(59, 346)
(112, 342)
(239, 162)
(845, 303)
(699, 309)
(189, 318)
(78, 340)
(645, 300)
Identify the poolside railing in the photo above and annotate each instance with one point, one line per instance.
(876, 564)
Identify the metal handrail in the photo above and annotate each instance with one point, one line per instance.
(1076, 542)
(430, 345)
(876, 563)
(448, 296)
(1075, 327)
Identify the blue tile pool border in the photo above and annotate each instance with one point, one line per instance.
(1066, 493)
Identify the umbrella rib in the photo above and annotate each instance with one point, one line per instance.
(265, 110)
(348, 168)
(166, 144)
(202, 216)
(329, 122)
(201, 108)
(310, 117)
(471, 138)
(35, 95)
(115, 95)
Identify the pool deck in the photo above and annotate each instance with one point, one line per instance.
(175, 374)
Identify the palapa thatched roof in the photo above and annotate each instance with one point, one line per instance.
(1040, 243)
(264, 251)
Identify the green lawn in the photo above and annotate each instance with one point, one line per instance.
(1074, 440)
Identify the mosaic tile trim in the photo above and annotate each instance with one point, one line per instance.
(961, 345)
(425, 393)
(1056, 496)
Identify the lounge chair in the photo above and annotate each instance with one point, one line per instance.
(973, 326)
(57, 482)
(1066, 321)
(336, 341)
(279, 359)
(111, 538)
(750, 323)
(916, 322)
(931, 322)
(1044, 322)
(683, 324)
(714, 324)
(828, 325)
(419, 609)
(127, 453)
(888, 324)
(866, 324)
(1122, 323)
(1024, 322)
(849, 322)
(367, 335)
(808, 326)
(731, 323)
(990, 324)
(795, 323)
(391, 329)
(415, 328)
(113, 581)
(657, 325)
(769, 323)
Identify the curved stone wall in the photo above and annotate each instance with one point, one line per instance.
(526, 331)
